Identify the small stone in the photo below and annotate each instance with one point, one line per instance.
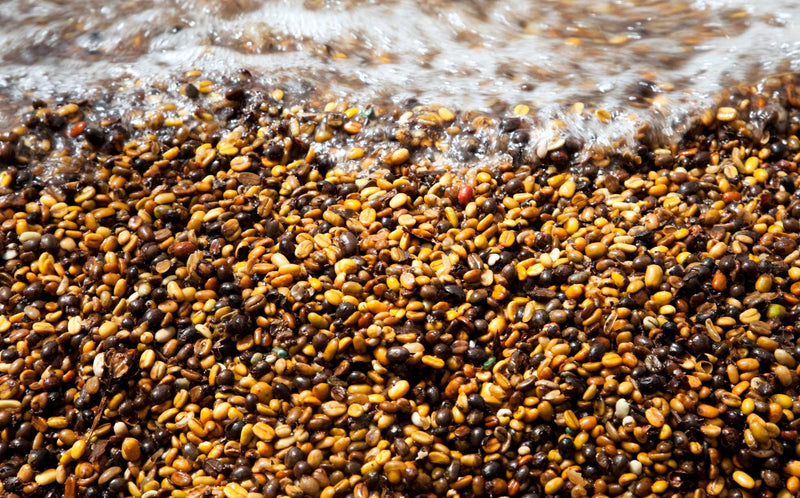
(464, 195)
(653, 276)
(743, 479)
(397, 157)
(727, 114)
(130, 449)
(596, 250)
(398, 201)
(622, 408)
(183, 250)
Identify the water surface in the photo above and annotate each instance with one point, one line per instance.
(658, 60)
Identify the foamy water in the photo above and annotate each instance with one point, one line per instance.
(653, 60)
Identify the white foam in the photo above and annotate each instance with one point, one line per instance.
(460, 54)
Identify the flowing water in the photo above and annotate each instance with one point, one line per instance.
(656, 60)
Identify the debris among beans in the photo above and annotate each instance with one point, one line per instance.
(233, 295)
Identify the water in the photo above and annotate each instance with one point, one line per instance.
(656, 60)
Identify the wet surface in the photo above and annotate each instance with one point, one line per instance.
(645, 58)
(446, 245)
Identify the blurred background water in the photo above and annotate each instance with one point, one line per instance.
(656, 59)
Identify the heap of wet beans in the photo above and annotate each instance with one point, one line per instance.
(227, 294)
